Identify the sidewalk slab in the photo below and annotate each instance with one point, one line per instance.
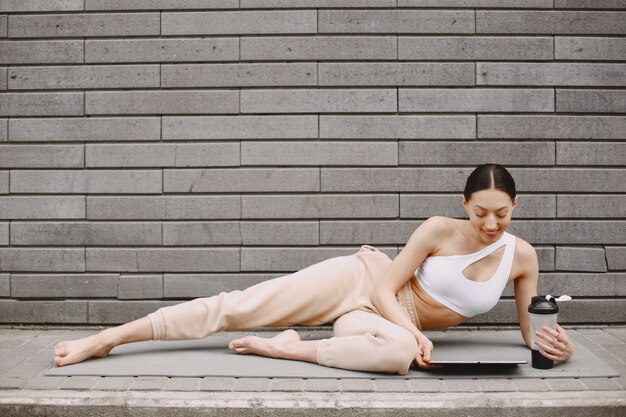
(24, 389)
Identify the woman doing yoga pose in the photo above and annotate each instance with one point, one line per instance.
(449, 270)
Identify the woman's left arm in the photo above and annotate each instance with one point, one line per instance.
(553, 344)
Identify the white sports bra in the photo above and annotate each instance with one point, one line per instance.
(442, 278)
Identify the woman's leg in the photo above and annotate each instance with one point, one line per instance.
(315, 295)
(362, 341)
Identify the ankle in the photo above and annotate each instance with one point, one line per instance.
(107, 339)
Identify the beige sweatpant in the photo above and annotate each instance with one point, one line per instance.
(336, 290)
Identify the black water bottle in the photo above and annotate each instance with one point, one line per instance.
(543, 312)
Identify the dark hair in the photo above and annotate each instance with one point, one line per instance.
(488, 176)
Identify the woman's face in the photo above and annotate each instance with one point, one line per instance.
(489, 211)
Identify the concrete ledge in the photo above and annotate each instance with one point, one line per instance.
(165, 403)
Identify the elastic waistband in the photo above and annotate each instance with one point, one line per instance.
(406, 300)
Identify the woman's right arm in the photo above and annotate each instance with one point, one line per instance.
(424, 241)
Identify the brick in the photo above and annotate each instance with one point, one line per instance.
(162, 259)
(238, 75)
(3, 78)
(159, 4)
(392, 179)
(4, 130)
(397, 127)
(113, 383)
(496, 385)
(551, 127)
(426, 385)
(40, 5)
(356, 385)
(5, 285)
(475, 100)
(589, 48)
(87, 181)
(473, 153)
(319, 153)
(580, 259)
(41, 52)
(591, 4)
(462, 385)
(42, 207)
(206, 285)
(531, 384)
(64, 285)
(287, 384)
(591, 101)
(569, 179)
(4, 182)
(42, 156)
(101, 76)
(4, 29)
(241, 180)
(323, 385)
(170, 102)
(294, 48)
(4, 233)
(74, 25)
(550, 22)
(85, 129)
(163, 207)
(252, 384)
(565, 384)
(506, 48)
(290, 259)
(552, 74)
(366, 231)
(119, 312)
(588, 154)
(162, 50)
(395, 21)
(570, 232)
(140, 286)
(217, 384)
(240, 127)
(182, 384)
(391, 385)
(427, 205)
(201, 233)
(239, 22)
(280, 233)
(42, 259)
(319, 206)
(163, 155)
(579, 205)
(616, 257)
(42, 104)
(532, 4)
(86, 233)
(319, 101)
(39, 311)
(396, 73)
(327, 4)
(599, 311)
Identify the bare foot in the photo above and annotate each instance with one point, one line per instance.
(74, 351)
(273, 347)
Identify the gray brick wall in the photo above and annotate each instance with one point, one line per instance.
(155, 151)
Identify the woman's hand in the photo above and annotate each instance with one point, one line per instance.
(424, 353)
(558, 347)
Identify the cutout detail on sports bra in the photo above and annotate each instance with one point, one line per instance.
(481, 257)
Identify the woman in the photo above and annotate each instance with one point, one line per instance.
(449, 270)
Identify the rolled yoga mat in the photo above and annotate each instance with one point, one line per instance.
(211, 357)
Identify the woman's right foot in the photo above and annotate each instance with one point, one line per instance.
(274, 347)
(73, 351)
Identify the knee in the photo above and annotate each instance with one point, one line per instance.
(399, 350)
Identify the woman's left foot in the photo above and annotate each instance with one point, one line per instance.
(274, 347)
